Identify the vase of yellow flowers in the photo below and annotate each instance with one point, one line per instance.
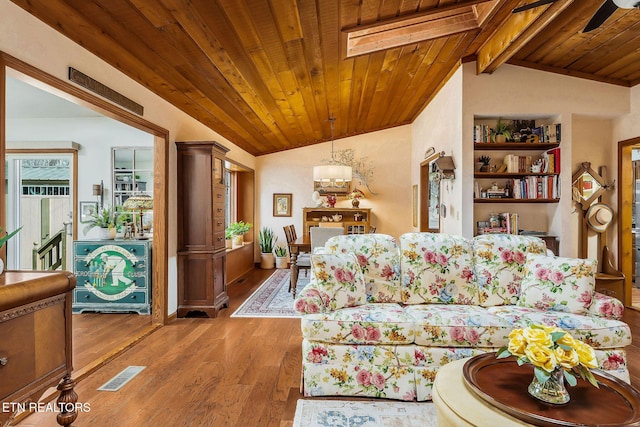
(556, 357)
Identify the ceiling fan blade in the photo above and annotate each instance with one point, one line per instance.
(598, 18)
(532, 5)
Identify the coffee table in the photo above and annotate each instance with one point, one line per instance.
(485, 391)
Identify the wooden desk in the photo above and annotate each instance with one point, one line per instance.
(301, 244)
(35, 340)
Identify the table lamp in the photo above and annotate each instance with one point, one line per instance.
(139, 202)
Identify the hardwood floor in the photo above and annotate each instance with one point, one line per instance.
(216, 372)
(94, 334)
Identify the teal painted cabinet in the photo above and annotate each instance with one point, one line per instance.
(113, 276)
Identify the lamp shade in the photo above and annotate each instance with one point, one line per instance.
(332, 174)
(138, 202)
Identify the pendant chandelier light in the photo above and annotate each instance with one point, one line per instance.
(333, 174)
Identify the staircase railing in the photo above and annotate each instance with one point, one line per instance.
(52, 254)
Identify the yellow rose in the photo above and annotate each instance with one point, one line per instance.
(586, 354)
(566, 358)
(537, 336)
(517, 343)
(567, 340)
(541, 356)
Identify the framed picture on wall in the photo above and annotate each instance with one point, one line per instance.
(87, 210)
(282, 204)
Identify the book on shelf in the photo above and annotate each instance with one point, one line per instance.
(536, 187)
(509, 223)
(551, 161)
(548, 133)
(518, 164)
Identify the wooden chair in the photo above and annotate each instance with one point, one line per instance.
(303, 261)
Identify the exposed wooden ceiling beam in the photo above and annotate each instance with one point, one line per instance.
(439, 22)
(514, 33)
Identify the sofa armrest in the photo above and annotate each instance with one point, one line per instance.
(309, 300)
(606, 306)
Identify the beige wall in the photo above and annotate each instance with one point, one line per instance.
(440, 126)
(33, 42)
(389, 152)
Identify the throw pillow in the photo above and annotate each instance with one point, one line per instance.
(339, 280)
(558, 284)
(498, 261)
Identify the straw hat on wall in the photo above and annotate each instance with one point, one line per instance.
(599, 217)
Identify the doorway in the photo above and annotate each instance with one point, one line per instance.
(627, 225)
(13, 68)
(39, 199)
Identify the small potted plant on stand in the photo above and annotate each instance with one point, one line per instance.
(281, 256)
(266, 240)
(237, 231)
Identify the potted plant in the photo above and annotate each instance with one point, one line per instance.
(502, 132)
(4, 240)
(107, 220)
(281, 256)
(228, 239)
(237, 231)
(486, 161)
(266, 240)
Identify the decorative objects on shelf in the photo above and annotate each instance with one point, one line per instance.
(331, 200)
(486, 161)
(333, 174)
(140, 202)
(355, 195)
(502, 131)
(555, 355)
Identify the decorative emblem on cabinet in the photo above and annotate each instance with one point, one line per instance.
(110, 272)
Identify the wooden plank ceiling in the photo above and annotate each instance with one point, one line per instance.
(267, 74)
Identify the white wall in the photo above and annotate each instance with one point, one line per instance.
(30, 40)
(389, 152)
(440, 126)
(514, 92)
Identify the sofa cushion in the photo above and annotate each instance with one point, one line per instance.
(379, 260)
(558, 284)
(379, 323)
(598, 332)
(339, 280)
(440, 325)
(436, 268)
(498, 261)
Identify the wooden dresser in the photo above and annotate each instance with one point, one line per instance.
(35, 340)
(202, 287)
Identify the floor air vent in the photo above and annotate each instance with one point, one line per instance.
(116, 383)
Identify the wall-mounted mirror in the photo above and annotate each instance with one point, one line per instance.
(588, 185)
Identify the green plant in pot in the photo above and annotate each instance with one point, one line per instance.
(236, 230)
(281, 256)
(107, 219)
(267, 240)
(502, 132)
(4, 240)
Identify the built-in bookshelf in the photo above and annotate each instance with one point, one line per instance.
(523, 167)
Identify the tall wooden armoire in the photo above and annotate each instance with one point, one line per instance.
(201, 244)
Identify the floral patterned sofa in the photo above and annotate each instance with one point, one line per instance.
(379, 319)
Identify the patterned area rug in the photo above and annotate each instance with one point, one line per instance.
(342, 413)
(272, 298)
